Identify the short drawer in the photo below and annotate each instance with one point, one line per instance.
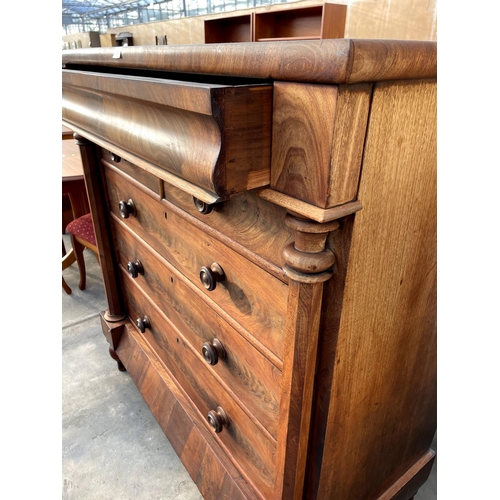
(250, 295)
(241, 368)
(139, 174)
(243, 440)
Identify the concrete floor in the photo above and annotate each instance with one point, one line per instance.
(112, 447)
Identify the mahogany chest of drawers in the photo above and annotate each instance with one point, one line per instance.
(266, 222)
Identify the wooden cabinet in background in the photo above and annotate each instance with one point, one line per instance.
(266, 221)
(302, 23)
(229, 29)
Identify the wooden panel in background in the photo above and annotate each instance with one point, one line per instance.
(378, 19)
(229, 29)
(392, 19)
(302, 23)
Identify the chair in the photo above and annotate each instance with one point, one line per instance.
(81, 231)
(67, 217)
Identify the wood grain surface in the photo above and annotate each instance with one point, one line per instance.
(251, 450)
(254, 298)
(139, 174)
(255, 224)
(351, 120)
(246, 373)
(215, 137)
(317, 155)
(330, 379)
(302, 140)
(213, 472)
(325, 61)
(97, 197)
(300, 347)
(383, 396)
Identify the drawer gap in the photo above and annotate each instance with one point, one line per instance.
(169, 75)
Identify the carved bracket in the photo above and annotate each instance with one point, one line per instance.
(307, 260)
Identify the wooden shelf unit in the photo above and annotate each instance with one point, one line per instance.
(229, 29)
(304, 23)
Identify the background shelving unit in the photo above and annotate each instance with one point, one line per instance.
(302, 23)
(305, 23)
(229, 29)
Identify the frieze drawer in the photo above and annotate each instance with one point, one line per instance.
(211, 139)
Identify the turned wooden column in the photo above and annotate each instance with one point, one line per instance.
(96, 194)
(308, 264)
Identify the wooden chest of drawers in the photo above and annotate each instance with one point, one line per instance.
(266, 222)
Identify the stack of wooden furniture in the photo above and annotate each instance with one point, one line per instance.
(314, 22)
(265, 215)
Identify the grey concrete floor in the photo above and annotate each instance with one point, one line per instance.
(112, 447)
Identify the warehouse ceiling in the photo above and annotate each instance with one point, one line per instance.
(98, 15)
(101, 8)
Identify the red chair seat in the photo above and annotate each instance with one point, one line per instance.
(83, 228)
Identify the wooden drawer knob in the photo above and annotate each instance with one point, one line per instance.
(201, 206)
(209, 277)
(143, 323)
(214, 351)
(135, 268)
(218, 419)
(127, 208)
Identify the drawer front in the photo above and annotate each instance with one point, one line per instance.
(139, 174)
(250, 295)
(254, 223)
(242, 439)
(213, 138)
(244, 370)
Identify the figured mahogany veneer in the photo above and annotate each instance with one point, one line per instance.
(213, 138)
(246, 370)
(268, 250)
(242, 294)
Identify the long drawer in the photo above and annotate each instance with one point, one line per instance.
(240, 367)
(212, 138)
(251, 450)
(256, 224)
(249, 294)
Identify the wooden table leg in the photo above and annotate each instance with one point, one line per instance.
(67, 289)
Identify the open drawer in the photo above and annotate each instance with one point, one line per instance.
(209, 139)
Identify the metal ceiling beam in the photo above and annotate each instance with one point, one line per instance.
(121, 6)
